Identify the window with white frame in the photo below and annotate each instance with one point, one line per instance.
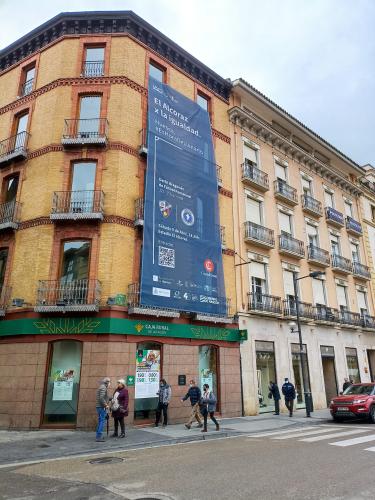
(319, 292)
(362, 302)
(335, 244)
(250, 155)
(348, 208)
(254, 209)
(285, 223)
(342, 299)
(312, 235)
(258, 280)
(354, 247)
(281, 172)
(306, 185)
(288, 286)
(329, 199)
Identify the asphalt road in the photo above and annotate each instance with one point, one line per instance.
(322, 462)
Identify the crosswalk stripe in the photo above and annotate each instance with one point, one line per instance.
(331, 436)
(272, 433)
(357, 440)
(370, 449)
(307, 433)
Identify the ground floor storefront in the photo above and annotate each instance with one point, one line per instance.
(50, 368)
(331, 354)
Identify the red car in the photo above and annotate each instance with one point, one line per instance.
(357, 401)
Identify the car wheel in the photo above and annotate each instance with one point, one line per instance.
(372, 415)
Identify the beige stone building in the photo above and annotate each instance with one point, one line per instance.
(297, 209)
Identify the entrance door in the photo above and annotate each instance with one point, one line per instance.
(329, 372)
(62, 385)
(208, 368)
(148, 357)
(297, 372)
(266, 372)
(371, 363)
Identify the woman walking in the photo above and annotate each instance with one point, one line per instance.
(119, 408)
(208, 407)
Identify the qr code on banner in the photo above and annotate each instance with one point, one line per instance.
(166, 257)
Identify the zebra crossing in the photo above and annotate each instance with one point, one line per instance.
(333, 435)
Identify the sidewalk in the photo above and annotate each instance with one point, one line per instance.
(24, 446)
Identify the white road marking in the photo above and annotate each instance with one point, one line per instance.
(331, 436)
(370, 449)
(357, 440)
(272, 433)
(307, 433)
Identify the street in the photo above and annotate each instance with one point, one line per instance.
(313, 460)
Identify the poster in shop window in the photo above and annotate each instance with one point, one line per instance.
(182, 265)
(63, 383)
(147, 373)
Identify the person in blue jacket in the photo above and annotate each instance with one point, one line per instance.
(289, 392)
(275, 394)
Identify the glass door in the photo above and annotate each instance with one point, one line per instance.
(297, 372)
(208, 368)
(89, 116)
(266, 372)
(82, 187)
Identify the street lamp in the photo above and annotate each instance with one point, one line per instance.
(305, 376)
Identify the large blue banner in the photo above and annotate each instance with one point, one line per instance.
(182, 265)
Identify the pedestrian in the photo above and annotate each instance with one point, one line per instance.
(165, 394)
(289, 392)
(275, 394)
(102, 400)
(347, 383)
(119, 408)
(208, 407)
(194, 394)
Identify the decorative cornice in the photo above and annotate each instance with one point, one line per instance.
(259, 128)
(225, 192)
(117, 22)
(39, 221)
(120, 146)
(44, 150)
(229, 251)
(117, 219)
(221, 136)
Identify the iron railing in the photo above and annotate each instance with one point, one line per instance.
(311, 205)
(334, 217)
(290, 245)
(306, 310)
(368, 321)
(254, 176)
(5, 292)
(77, 204)
(259, 234)
(135, 306)
(353, 226)
(350, 318)
(9, 214)
(27, 87)
(92, 68)
(361, 271)
(326, 314)
(318, 255)
(61, 295)
(341, 263)
(284, 191)
(14, 146)
(85, 131)
(259, 302)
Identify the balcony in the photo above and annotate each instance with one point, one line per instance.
(225, 318)
(268, 305)
(219, 176)
(27, 87)
(285, 192)
(87, 132)
(254, 177)
(5, 292)
(92, 68)
(341, 264)
(349, 318)
(318, 256)
(143, 148)
(291, 246)
(259, 235)
(306, 311)
(9, 215)
(135, 307)
(77, 205)
(353, 226)
(73, 296)
(311, 205)
(334, 217)
(139, 212)
(361, 271)
(14, 148)
(368, 322)
(324, 314)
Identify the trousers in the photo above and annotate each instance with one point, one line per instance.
(195, 415)
(162, 408)
(101, 421)
(212, 417)
(289, 403)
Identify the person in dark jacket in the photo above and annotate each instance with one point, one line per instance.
(347, 383)
(119, 407)
(165, 395)
(275, 394)
(194, 394)
(208, 407)
(102, 400)
(289, 392)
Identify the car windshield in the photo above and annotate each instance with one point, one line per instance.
(359, 389)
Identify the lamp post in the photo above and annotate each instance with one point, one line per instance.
(305, 375)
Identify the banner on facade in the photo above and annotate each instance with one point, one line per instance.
(181, 259)
(147, 373)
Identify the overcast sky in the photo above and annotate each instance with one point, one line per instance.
(315, 58)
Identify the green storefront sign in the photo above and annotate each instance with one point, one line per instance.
(117, 326)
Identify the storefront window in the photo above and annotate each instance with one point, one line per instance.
(297, 372)
(148, 363)
(208, 367)
(352, 363)
(266, 372)
(62, 388)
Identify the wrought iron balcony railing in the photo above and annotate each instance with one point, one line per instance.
(361, 271)
(14, 147)
(368, 321)
(263, 303)
(92, 68)
(306, 310)
(326, 314)
(92, 131)
(59, 295)
(5, 292)
(255, 177)
(350, 318)
(318, 255)
(334, 217)
(353, 226)
(143, 148)
(139, 212)
(135, 306)
(342, 264)
(72, 205)
(259, 235)
(9, 215)
(27, 87)
(291, 246)
(285, 192)
(311, 205)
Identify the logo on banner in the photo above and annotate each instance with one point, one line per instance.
(165, 208)
(187, 217)
(209, 265)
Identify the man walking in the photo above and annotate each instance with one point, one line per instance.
(275, 394)
(102, 399)
(194, 394)
(165, 395)
(289, 392)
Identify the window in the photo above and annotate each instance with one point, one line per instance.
(250, 155)
(352, 364)
(348, 208)
(362, 302)
(319, 292)
(335, 244)
(148, 371)
(208, 367)
(342, 297)
(306, 186)
(89, 116)
(75, 261)
(21, 124)
(285, 223)
(354, 247)
(373, 212)
(289, 286)
(94, 61)
(312, 235)
(328, 199)
(204, 102)
(258, 280)
(10, 187)
(83, 196)
(281, 172)
(253, 210)
(156, 72)
(27, 80)
(3, 265)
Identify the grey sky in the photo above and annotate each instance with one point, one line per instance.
(315, 58)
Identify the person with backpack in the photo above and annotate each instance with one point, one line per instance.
(164, 394)
(289, 392)
(208, 407)
(119, 408)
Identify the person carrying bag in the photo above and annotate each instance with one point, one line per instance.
(119, 408)
(208, 406)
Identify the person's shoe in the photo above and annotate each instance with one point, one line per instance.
(187, 426)
(122, 435)
(276, 413)
(291, 414)
(217, 427)
(164, 425)
(100, 439)
(204, 430)
(114, 435)
(199, 426)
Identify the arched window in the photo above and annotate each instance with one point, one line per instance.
(208, 367)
